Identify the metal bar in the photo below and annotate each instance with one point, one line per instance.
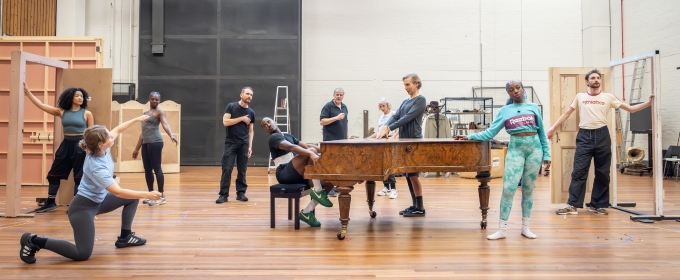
(655, 218)
(633, 58)
(656, 130)
(627, 211)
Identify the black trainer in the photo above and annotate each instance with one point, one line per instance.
(28, 249)
(222, 199)
(46, 207)
(242, 197)
(415, 212)
(406, 210)
(131, 240)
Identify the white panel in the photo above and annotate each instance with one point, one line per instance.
(368, 50)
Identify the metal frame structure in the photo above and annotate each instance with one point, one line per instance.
(656, 145)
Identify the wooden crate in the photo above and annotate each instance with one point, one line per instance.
(126, 142)
(78, 52)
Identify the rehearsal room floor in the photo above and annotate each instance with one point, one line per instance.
(192, 237)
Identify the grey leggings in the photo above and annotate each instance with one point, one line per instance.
(81, 214)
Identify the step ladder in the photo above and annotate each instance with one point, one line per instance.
(635, 96)
(281, 117)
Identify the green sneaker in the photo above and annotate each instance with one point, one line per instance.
(309, 219)
(321, 197)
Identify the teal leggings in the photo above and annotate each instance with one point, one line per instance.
(523, 161)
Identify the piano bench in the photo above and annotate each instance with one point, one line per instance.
(291, 192)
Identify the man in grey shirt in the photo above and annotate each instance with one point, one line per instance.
(334, 121)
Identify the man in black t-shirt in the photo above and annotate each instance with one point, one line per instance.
(238, 119)
(333, 118)
(291, 169)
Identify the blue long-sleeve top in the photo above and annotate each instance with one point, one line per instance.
(409, 118)
(517, 118)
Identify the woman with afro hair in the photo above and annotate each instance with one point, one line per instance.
(71, 108)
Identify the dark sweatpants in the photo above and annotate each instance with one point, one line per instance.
(81, 214)
(591, 144)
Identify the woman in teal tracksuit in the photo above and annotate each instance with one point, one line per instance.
(528, 148)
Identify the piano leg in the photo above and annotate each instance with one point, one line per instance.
(484, 191)
(370, 197)
(345, 199)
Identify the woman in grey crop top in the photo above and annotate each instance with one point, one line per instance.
(151, 144)
(71, 108)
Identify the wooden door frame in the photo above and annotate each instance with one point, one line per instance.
(556, 191)
(15, 126)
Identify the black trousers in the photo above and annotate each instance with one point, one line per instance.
(591, 144)
(239, 153)
(151, 158)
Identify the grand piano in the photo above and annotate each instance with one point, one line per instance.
(346, 163)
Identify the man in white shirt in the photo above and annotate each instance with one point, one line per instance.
(592, 142)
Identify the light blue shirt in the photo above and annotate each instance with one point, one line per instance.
(517, 118)
(97, 176)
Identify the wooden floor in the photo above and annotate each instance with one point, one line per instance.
(191, 236)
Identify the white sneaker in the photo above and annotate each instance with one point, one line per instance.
(393, 194)
(500, 234)
(384, 192)
(159, 201)
(146, 201)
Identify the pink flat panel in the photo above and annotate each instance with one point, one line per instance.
(4, 129)
(60, 50)
(6, 48)
(4, 107)
(31, 112)
(85, 50)
(5, 67)
(35, 76)
(31, 173)
(3, 168)
(80, 64)
(51, 78)
(35, 48)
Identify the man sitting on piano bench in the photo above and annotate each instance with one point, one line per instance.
(291, 156)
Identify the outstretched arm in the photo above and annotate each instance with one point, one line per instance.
(309, 146)
(166, 126)
(54, 111)
(123, 126)
(116, 190)
(492, 131)
(559, 121)
(638, 107)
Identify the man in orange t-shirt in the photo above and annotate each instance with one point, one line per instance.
(592, 142)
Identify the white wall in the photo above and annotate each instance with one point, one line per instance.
(648, 26)
(115, 20)
(367, 46)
